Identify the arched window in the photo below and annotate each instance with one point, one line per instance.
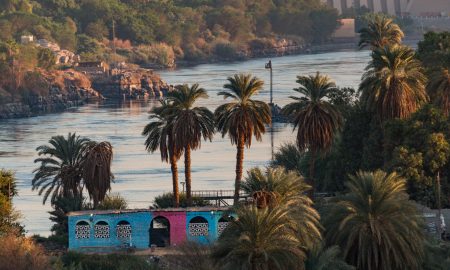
(198, 226)
(82, 230)
(223, 223)
(101, 230)
(123, 229)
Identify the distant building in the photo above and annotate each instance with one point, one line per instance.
(96, 231)
(416, 8)
(26, 39)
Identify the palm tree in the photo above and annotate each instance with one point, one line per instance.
(317, 120)
(159, 135)
(97, 173)
(190, 125)
(381, 31)
(394, 84)
(242, 118)
(375, 224)
(439, 89)
(326, 258)
(275, 186)
(289, 157)
(260, 239)
(60, 170)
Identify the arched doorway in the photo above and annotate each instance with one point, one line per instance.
(160, 232)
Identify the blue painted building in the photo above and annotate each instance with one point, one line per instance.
(113, 229)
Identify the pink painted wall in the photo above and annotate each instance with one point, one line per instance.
(177, 222)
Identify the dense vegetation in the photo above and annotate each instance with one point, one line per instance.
(158, 31)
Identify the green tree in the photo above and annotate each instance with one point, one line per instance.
(380, 32)
(242, 118)
(374, 223)
(189, 125)
(159, 135)
(418, 149)
(8, 215)
(393, 85)
(316, 119)
(60, 170)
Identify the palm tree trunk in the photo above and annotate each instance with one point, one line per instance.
(239, 168)
(174, 169)
(187, 173)
(311, 174)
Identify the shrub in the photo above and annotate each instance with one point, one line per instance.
(21, 253)
(225, 51)
(106, 262)
(166, 201)
(113, 202)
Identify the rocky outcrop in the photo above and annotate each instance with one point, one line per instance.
(63, 90)
(135, 83)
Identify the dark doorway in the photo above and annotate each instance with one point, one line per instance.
(160, 232)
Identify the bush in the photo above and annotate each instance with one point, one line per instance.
(113, 202)
(21, 253)
(225, 51)
(106, 262)
(166, 201)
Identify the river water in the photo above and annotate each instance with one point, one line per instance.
(141, 176)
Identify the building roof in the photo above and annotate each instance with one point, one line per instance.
(125, 211)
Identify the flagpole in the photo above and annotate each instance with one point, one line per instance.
(269, 66)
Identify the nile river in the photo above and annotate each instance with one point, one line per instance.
(141, 176)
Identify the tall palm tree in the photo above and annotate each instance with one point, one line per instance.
(261, 239)
(97, 173)
(439, 89)
(159, 135)
(380, 31)
(394, 84)
(60, 170)
(317, 120)
(375, 224)
(242, 118)
(190, 125)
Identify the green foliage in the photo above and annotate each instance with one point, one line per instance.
(200, 28)
(46, 59)
(437, 256)
(434, 50)
(62, 206)
(322, 258)
(113, 202)
(375, 224)
(261, 239)
(166, 201)
(418, 149)
(8, 215)
(105, 262)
